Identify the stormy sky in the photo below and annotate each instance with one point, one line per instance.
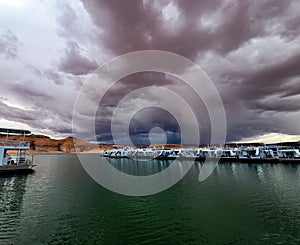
(249, 49)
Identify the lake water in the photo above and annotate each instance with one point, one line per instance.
(237, 204)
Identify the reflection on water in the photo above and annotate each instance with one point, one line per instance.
(12, 189)
(236, 204)
(139, 167)
(260, 173)
(233, 169)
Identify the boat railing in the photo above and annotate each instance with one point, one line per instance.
(14, 143)
(17, 159)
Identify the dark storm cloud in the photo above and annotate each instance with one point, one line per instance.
(200, 25)
(75, 63)
(292, 89)
(134, 81)
(147, 119)
(284, 106)
(271, 79)
(9, 44)
(257, 81)
(250, 49)
(273, 88)
(137, 26)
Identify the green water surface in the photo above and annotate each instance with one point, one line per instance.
(237, 204)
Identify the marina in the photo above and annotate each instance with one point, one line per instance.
(249, 154)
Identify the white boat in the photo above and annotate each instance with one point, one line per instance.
(272, 151)
(290, 153)
(118, 153)
(250, 153)
(208, 153)
(163, 154)
(145, 153)
(14, 156)
(228, 153)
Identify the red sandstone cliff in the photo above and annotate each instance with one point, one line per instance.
(44, 144)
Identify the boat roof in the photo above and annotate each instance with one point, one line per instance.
(14, 131)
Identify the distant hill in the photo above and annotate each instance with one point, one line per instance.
(44, 144)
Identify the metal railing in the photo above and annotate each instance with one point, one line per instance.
(14, 143)
(23, 159)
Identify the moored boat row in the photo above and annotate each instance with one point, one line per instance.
(239, 154)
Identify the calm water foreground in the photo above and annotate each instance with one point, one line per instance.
(237, 204)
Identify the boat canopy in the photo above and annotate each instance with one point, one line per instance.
(14, 131)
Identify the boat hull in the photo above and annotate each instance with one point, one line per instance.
(16, 169)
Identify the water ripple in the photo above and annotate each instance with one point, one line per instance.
(237, 204)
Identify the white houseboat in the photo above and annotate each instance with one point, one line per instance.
(14, 156)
